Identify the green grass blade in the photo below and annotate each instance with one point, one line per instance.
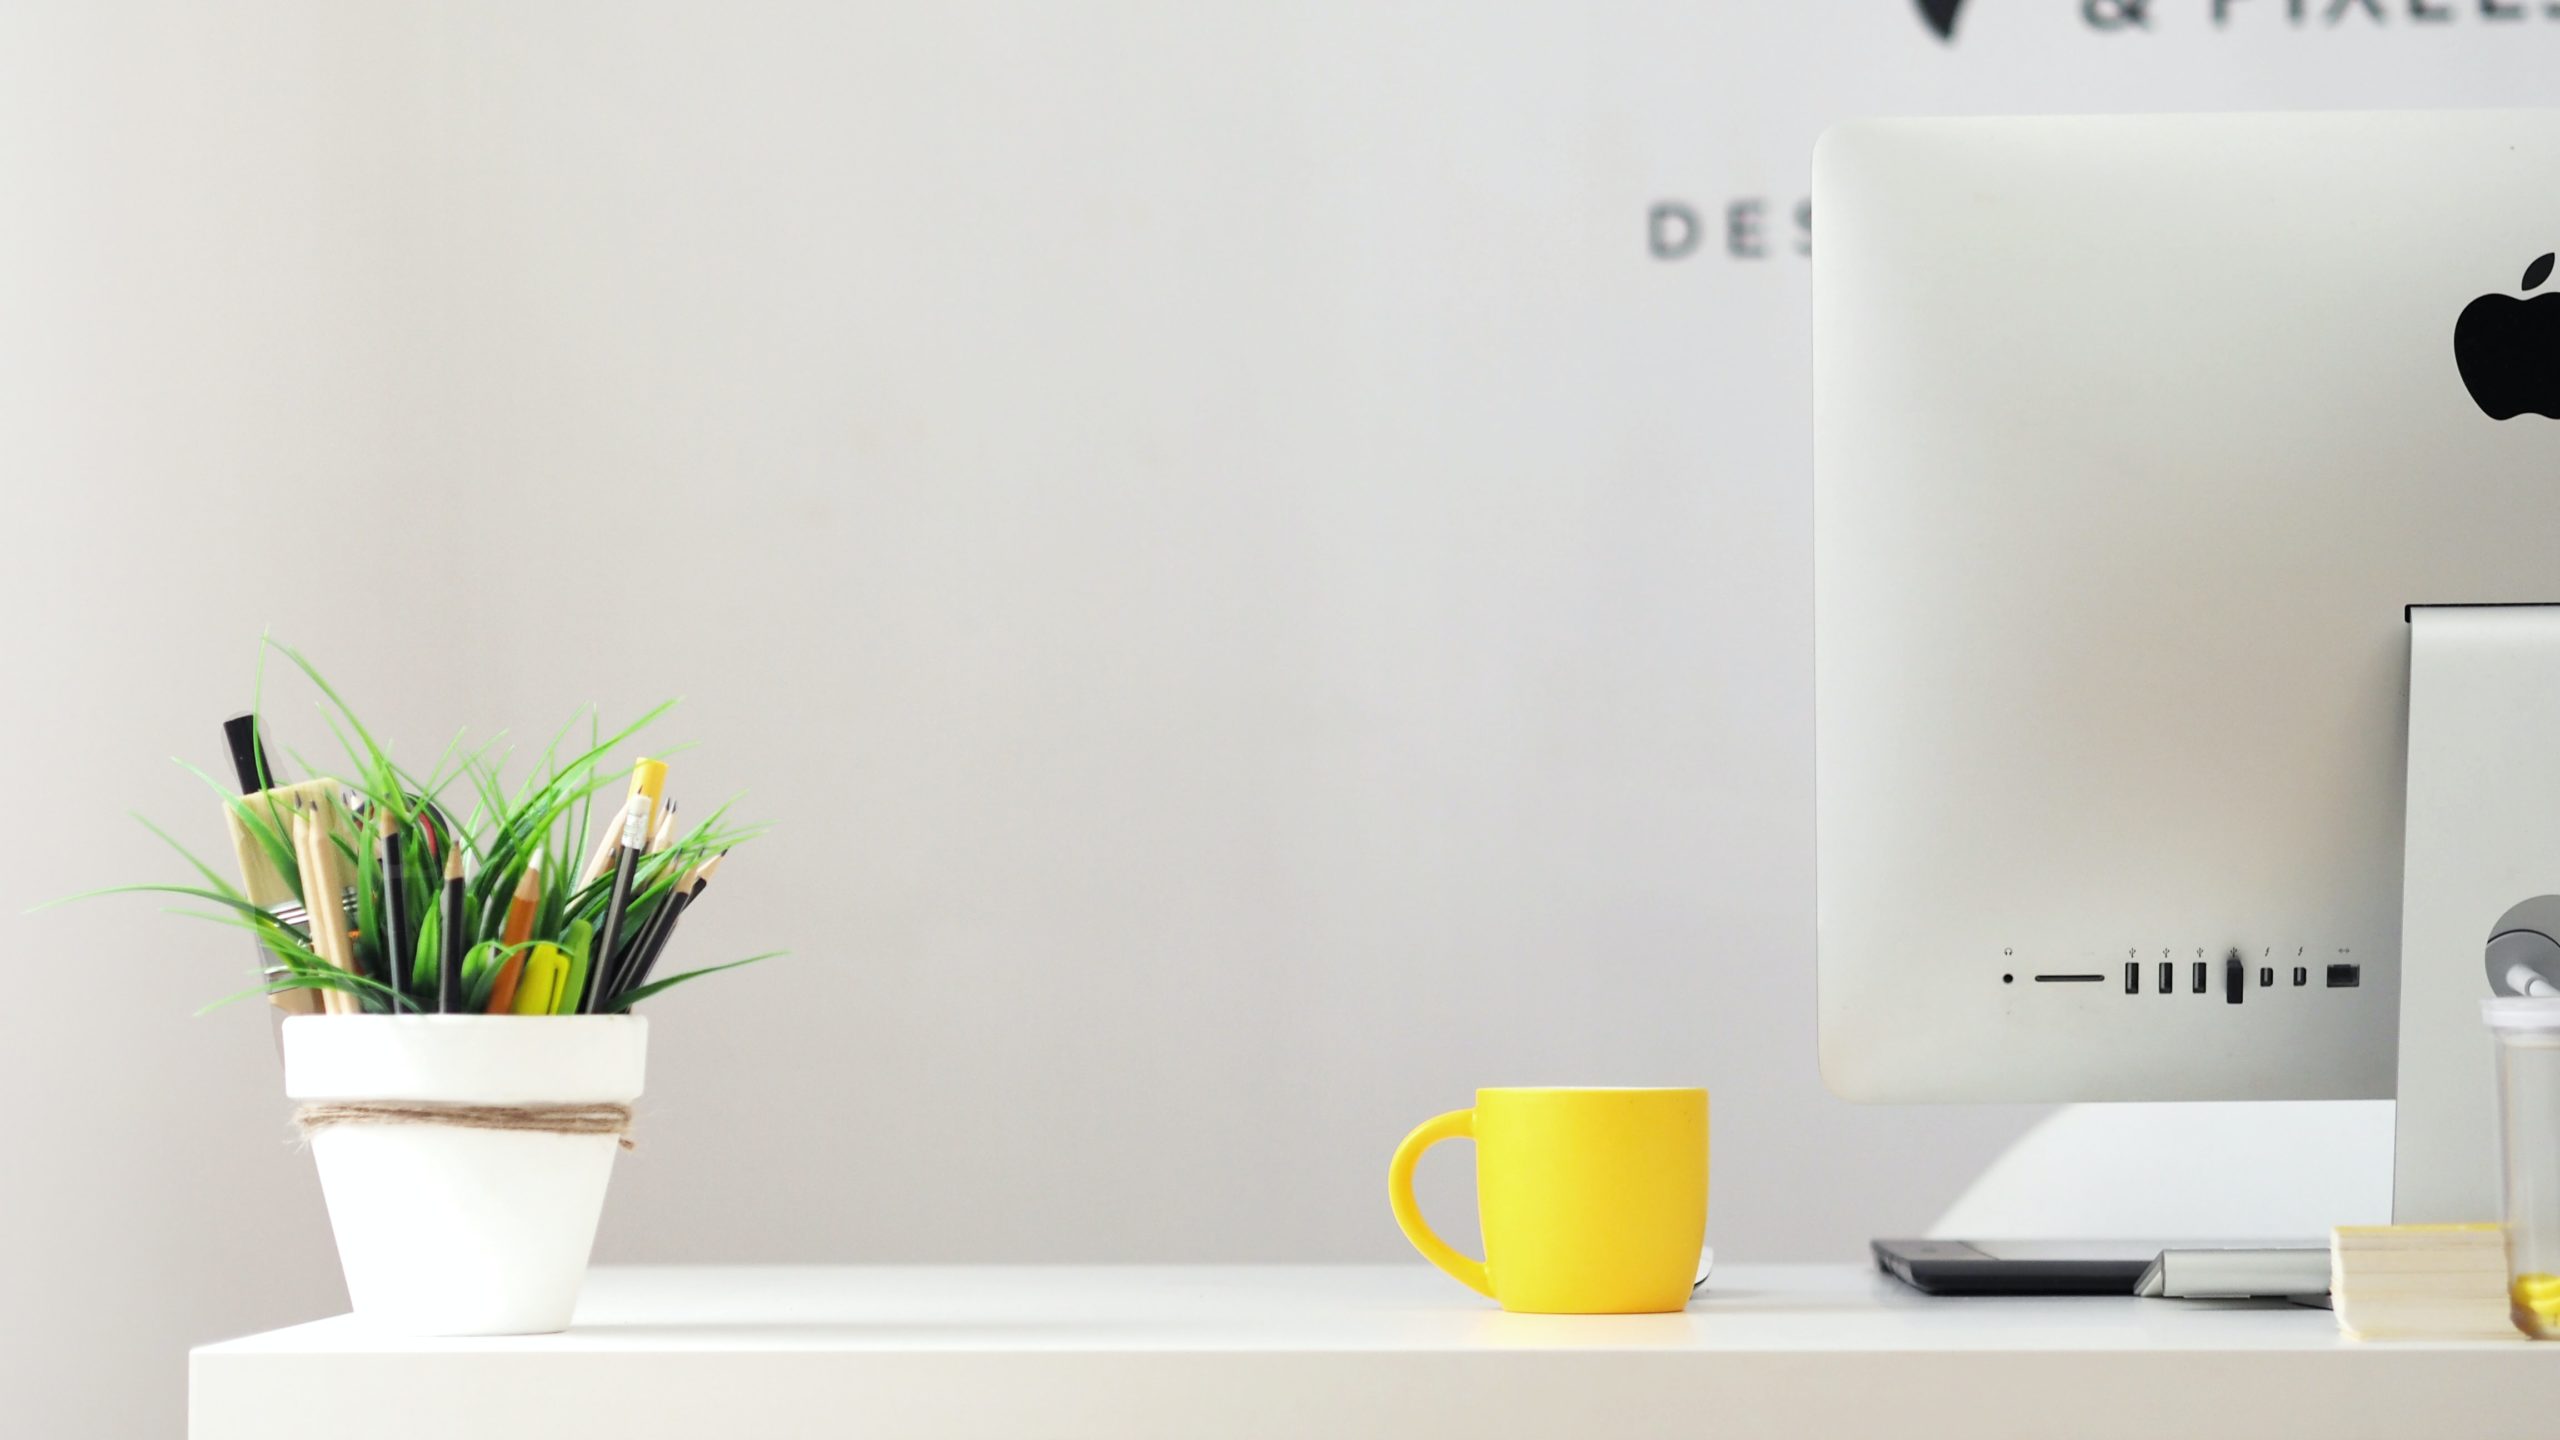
(629, 998)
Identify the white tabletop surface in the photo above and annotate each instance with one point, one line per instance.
(1799, 1352)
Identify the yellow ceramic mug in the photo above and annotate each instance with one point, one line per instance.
(1594, 1202)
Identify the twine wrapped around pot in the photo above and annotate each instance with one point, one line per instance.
(591, 1119)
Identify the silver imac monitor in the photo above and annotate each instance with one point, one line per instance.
(2134, 437)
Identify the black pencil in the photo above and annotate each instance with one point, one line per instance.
(650, 937)
(450, 925)
(635, 836)
(639, 944)
(399, 936)
(638, 970)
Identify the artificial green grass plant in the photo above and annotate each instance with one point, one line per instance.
(545, 818)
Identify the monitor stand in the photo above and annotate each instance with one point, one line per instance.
(2480, 916)
(2480, 894)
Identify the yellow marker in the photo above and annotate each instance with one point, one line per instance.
(545, 980)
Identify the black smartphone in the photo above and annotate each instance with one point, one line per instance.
(2017, 1267)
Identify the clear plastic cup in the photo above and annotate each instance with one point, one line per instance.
(2528, 1033)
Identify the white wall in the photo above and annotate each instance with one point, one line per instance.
(1255, 605)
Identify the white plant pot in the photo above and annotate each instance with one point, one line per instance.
(450, 1231)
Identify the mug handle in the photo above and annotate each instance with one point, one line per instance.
(1456, 1125)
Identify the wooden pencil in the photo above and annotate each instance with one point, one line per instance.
(333, 882)
(602, 860)
(308, 882)
(517, 929)
(316, 908)
(322, 914)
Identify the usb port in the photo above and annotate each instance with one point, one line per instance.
(2132, 977)
(2301, 974)
(2266, 977)
(2199, 986)
(2344, 977)
(2168, 978)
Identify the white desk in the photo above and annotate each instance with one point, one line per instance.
(1791, 1353)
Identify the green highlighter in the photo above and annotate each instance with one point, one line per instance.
(576, 943)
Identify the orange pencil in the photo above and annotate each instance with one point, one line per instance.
(517, 930)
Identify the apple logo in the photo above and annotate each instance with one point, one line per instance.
(1941, 15)
(2508, 349)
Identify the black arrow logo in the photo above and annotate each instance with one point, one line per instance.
(1941, 15)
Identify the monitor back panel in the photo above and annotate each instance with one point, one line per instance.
(2133, 438)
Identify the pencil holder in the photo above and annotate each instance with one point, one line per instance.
(464, 1158)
